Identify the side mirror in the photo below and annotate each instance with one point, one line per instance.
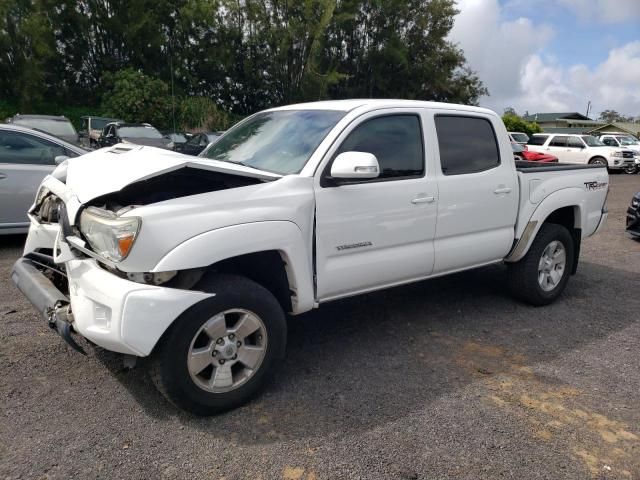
(355, 165)
(60, 158)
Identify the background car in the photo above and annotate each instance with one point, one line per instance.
(91, 129)
(519, 137)
(197, 143)
(59, 126)
(633, 216)
(174, 138)
(26, 157)
(625, 141)
(138, 133)
(521, 152)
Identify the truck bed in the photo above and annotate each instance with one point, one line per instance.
(538, 182)
(533, 167)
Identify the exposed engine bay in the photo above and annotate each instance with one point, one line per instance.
(178, 183)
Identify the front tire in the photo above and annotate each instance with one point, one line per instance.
(221, 352)
(542, 274)
(598, 161)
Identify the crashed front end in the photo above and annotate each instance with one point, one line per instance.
(77, 287)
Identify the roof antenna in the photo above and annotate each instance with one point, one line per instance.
(173, 103)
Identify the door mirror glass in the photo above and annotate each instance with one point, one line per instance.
(355, 165)
(60, 158)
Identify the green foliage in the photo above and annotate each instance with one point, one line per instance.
(514, 123)
(243, 55)
(202, 114)
(611, 116)
(136, 97)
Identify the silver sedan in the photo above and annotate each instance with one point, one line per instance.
(26, 157)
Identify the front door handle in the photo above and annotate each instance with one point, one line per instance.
(429, 199)
(2, 175)
(498, 191)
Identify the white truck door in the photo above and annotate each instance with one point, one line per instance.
(478, 191)
(576, 151)
(377, 232)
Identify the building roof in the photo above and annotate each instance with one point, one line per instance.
(553, 116)
(630, 128)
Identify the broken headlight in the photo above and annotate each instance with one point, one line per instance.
(109, 235)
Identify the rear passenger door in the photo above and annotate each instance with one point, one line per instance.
(24, 162)
(478, 191)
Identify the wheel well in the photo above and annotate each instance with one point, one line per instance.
(597, 157)
(267, 268)
(566, 217)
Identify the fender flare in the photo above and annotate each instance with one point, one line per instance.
(282, 236)
(568, 197)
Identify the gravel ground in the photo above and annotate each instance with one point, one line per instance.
(448, 378)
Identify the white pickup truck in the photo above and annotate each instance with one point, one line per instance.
(582, 150)
(195, 261)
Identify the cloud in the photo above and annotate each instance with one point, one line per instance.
(509, 56)
(604, 11)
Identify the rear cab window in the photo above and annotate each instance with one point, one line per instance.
(467, 144)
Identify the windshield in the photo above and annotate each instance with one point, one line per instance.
(139, 132)
(59, 128)
(516, 147)
(520, 137)
(592, 141)
(100, 123)
(279, 142)
(628, 141)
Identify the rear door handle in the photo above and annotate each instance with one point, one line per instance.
(498, 191)
(429, 199)
(2, 175)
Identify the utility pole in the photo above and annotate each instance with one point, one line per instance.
(588, 108)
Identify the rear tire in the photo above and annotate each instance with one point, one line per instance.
(222, 351)
(541, 276)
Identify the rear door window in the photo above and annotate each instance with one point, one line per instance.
(467, 144)
(558, 141)
(538, 140)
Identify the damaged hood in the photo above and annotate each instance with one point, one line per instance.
(111, 169)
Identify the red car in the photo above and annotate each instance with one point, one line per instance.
(522, 153)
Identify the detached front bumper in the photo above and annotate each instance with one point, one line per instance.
(110, 311)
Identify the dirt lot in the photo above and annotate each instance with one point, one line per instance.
(448, 378)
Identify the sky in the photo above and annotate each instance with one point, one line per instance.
(553, 55)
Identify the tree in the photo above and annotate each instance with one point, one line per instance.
(611, 116)
(244, 55)
(514, 123)
(136, 97)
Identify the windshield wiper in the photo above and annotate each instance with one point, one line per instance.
(242, 164)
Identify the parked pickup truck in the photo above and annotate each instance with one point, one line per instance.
(581, 149)
(194, 261)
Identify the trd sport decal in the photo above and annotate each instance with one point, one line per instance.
(595, 185)
(354, 245)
